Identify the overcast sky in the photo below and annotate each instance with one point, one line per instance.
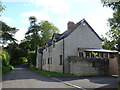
(59, 12)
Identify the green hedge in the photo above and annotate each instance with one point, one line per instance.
(31, 57)
(6, 69)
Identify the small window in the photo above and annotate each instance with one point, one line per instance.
(80, 54)
(48, 61)
(106, 55)
(112, 55)
(61, 60)
(101, 55)
(92, 55)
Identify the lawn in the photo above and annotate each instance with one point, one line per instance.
(49, 73)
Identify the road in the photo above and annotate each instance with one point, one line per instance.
(22, 77)
(108, 82)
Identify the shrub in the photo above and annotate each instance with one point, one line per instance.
(6, 69)
(31, 57)
(22, 60)
(5, 57)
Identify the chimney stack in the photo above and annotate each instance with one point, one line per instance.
(70, 24)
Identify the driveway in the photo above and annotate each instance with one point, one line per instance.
(22, 77)
(108, 82)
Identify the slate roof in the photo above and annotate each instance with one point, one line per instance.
(49, 42)
(68, 32)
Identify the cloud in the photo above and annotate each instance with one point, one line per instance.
(56, 6)
(6, 19)
(20, 34)
(40, 16)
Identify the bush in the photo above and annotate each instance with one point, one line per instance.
(20, 60)
(6, 69)
(23, 60)
(31, 57)
(5, 57)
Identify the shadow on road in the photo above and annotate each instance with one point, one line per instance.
(22, 72)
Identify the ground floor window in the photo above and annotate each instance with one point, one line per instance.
(87, 54)
(48, 61)
(61, 60)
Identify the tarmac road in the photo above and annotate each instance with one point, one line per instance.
(22, 77)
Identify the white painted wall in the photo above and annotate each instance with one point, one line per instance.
(83, 37)
(55, 54)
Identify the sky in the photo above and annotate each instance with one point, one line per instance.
(58, 12)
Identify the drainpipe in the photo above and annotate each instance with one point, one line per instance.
(49, 57)
(63, 57)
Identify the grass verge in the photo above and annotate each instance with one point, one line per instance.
(6, 69)
(118, 85)
(49, 73)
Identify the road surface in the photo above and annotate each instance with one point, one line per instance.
(22, 77)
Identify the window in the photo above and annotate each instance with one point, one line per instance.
(61, 60)
(80, 54)
(48, 61)
(101, 55)
(92, 55)
(87, 54)
(106, 55)
(112, 55)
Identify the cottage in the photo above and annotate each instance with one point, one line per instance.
(78, 40)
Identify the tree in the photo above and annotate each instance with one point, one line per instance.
(47, 31)
(37, 34)
(114, 23)
(7, 33)
(114, 32)
(1, 8)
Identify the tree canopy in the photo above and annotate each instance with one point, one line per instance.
(114, 23)
(7, 33)
(38, 33)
